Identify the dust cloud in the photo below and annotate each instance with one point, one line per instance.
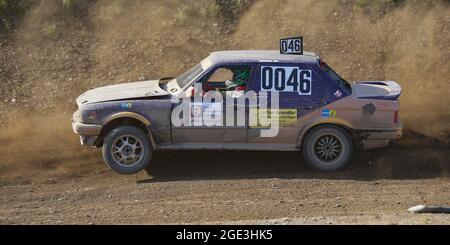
(44, 142)
(57, 56)
(408, 44)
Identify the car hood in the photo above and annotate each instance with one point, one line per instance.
(123, 91)
(385, 90)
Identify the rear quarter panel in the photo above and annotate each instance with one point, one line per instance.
(353, 114)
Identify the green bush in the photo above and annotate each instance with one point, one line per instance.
(212, 8)
(377, 5)
(69, 3)
(2, 4)
(51, 30)
(226, 9)
(76, 5)
(10, 11)
(180, 14)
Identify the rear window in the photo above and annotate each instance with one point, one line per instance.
(344, 85)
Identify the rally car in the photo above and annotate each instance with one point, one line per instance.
(318, 113)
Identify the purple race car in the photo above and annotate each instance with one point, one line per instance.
(310, 108)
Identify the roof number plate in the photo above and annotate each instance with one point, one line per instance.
(291, 45)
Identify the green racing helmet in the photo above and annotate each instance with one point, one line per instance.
(240, 78)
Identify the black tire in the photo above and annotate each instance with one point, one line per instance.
(131, 138)
(327, 148)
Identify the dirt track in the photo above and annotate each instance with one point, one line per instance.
(236, 187)
(51, 56)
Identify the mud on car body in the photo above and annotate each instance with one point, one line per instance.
(325, 117)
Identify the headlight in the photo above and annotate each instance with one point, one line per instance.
(92, 115)
(88, 116)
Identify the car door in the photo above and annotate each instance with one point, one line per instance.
(300, 92)
(202, 133)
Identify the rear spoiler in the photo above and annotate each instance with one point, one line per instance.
(381, 90)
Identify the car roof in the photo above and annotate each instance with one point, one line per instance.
(244, 56)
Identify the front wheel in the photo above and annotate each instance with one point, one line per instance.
(327, 148)
(127, 150)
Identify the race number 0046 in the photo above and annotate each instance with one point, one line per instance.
(286, 79)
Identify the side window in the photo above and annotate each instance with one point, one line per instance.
(221, 75)
(344, 85)
(230, 78)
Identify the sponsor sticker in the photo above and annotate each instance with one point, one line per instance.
(206, 113)
(338, 93)
(328, 113)
(284, 117)
(368, 109)
(128, 105)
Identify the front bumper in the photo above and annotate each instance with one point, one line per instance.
(377, 138)
(89, 133)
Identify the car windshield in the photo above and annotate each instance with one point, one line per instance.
(185, 78)
(344, 85)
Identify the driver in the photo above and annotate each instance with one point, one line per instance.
(239, 81)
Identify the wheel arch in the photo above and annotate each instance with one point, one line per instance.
(307, 130)
(126, 118)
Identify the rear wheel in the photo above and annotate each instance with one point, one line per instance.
(127, 150)
(327, 148)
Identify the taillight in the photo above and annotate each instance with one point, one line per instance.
(322, 64)
(396, 117)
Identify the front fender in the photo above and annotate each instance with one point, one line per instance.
(126, 114)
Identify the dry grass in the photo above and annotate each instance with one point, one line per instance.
(51, 29)
(70, 3)
(2, 3)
